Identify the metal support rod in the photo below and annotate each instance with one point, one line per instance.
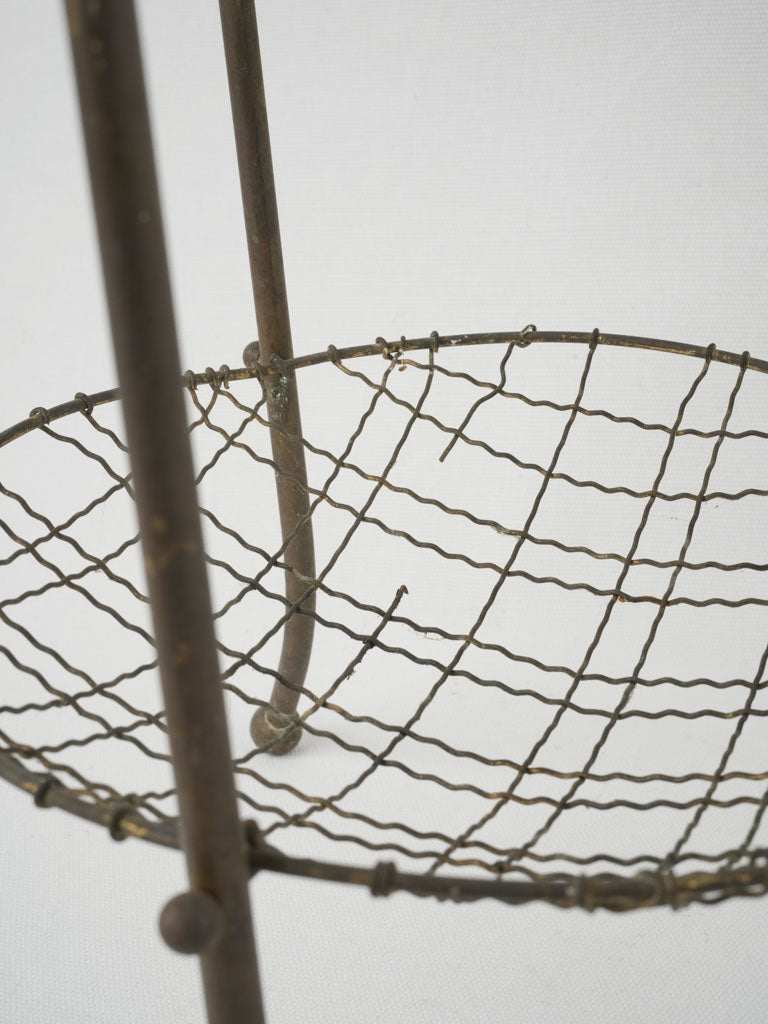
(257, 185)
(214, 917)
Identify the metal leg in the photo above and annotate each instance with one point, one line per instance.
(213, 918)
(249, 113)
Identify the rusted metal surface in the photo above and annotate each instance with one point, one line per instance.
(273, 353)
(110, 83)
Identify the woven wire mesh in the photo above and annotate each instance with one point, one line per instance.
(541, 614)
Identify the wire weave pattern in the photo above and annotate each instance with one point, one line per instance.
(540, 595)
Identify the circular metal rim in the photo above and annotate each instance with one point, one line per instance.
(606, 890)
(380, 347)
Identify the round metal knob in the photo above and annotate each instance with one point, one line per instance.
(279, 733)
(191, 922)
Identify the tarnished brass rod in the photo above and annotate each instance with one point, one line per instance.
(214, 917)
(257, 185)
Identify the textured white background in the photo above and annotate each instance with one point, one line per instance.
(459, 167)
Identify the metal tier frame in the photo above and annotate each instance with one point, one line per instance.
(212, 918)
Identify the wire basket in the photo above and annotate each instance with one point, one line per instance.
(498, 631)
(539, 611)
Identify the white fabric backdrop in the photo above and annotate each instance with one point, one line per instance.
(459, 167)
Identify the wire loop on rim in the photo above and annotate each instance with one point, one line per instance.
(115, 821)
(85, 403)
(528, 329)
(585, 895)
(41, 415)
(383, 345)
(383, 878)
(671, 891)
(41, 794)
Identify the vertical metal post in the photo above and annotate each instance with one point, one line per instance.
(213, 918)
(257, 185)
